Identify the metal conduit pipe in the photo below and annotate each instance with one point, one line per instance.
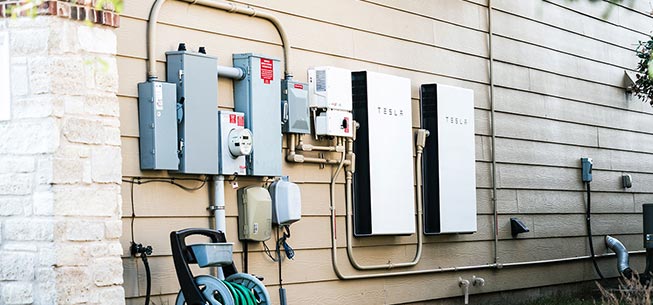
(348, 207)
(623, 265)
(231, 72)
(294, 157)
(224, 6)
(493, 135)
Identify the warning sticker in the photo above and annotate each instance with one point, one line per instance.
(232, 119)
(267, 70)
(299, 86)
(241, 121)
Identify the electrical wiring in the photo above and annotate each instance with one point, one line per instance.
(173, 181)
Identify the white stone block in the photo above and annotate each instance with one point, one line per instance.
(79, 230)
(73, 285)
(67, 171)
(85, 131)
(107, 271)
(16, 164)
(16, 184)
(113, 229)
(17, 266)
(29, 137)
(30, 42)
(19, 80)
(29, 229)
(86, 200)
(33, 107)
(96, 39)
(17, 293)
(104, 105)
(72, 254)
(106, 164)
(13, 206)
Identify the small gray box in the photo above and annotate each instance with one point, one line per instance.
(157, 122)
(258, 97)
(295, 108)
(196, 77)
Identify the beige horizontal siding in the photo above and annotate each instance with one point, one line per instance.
(559, 96)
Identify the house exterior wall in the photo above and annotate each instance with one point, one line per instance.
(559, 96)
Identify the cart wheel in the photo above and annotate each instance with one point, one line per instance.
(253, 284)
(213, 290)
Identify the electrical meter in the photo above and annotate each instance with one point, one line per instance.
(235, 143)
(254, 214)
(240, 142)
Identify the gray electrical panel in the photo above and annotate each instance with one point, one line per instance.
(258, 97)
(295, 107)
(157, 121)
(197, 98)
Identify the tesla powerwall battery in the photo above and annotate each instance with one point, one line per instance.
(449, 160)
(383, 181)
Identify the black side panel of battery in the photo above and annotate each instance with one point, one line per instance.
(362, 203)
(431, 208)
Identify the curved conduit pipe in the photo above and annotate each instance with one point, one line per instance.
(421, 139)
(622, 255)
(224, 6)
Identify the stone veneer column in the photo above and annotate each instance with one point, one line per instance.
(60, 162)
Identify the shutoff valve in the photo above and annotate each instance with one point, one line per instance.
(240, 142)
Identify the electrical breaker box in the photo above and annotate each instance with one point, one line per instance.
(230, 122)
(254, 214)
(384, 190)
(197, 98)
(449, 159)
(157, 124)
(295, 108)
(334, 123)
(330, 87)
(258, 97)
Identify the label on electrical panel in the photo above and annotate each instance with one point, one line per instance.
(241, 121)
(299, 86)
(267, 70)
(232, 119)
(158, 96)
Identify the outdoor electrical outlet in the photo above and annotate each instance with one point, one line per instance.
(586, 169)
(627, 181)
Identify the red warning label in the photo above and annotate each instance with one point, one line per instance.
(299, 86)
(241, 121)
(232, 119)
(267, 70)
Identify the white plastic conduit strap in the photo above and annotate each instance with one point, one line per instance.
(224, 6)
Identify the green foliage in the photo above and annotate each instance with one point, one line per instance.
(643, 87)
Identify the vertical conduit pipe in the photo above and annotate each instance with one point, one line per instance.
(218, 207)
(224, 6)
(494, 138)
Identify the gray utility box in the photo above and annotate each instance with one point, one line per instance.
(157, 123)
(196, 77)
(295, 108)
(258, 97)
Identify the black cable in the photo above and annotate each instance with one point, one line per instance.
(141, 180)
(588, 218)
(131, 197)
(148, 276)
(245, 256)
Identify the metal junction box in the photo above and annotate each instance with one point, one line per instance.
(449, 159)
(258, 97)
(197, 97)
(330, 87)
(229, 164)
(157, 123)
(334, 123)
(295, 109)
(254, 214)
(384, 190)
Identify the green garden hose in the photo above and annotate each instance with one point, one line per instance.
(241, 294)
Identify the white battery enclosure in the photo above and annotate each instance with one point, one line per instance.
(450, 177)
(286, 202)
(229, 122)
(334, 123)
(384, 189)
(329, 87)
(254, 214)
